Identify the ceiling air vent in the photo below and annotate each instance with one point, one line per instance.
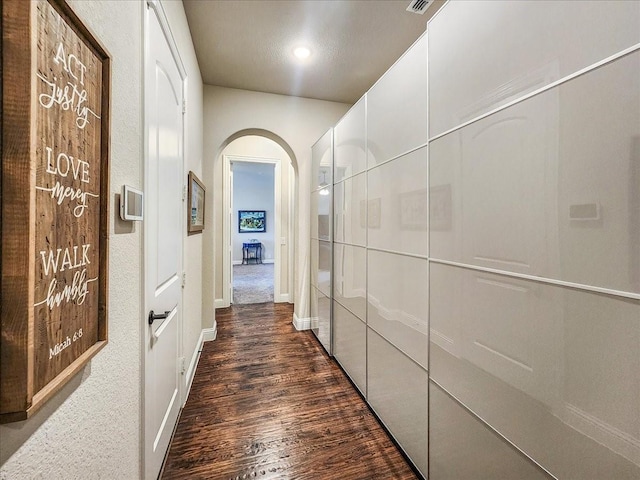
(419, 6)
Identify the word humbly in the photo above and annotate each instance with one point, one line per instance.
(75, 292)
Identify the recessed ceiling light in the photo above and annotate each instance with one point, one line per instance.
(301, 52)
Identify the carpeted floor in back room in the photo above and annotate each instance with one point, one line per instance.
(252, 283)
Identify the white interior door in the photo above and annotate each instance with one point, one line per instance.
(163, 231)
(230, 246)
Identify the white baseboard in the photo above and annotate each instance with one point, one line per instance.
(282, 298)
(220, 303)
(301, 323)
(611, 437)
(209, 334)
(265, 260)
(206, 335)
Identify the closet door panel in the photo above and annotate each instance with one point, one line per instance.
(397, 107)
(350, 278)
(464, 44)
(350, 143)
(349, 345)
(398, 392)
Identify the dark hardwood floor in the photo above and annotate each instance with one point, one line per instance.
(268, 403)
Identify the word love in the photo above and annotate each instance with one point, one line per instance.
(76, 291)
(68, 95)
(65, 165)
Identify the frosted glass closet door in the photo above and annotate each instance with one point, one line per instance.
(534, 233)
(350, 254)
(483, 55)
(350, 143)
(321, 238)
(397, 107)
(397, 241)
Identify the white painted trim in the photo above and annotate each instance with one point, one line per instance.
(210, 334)
(291, 175)
(282, 298)
(227, 262)
(206, 335)
(220, 303)
(301, 323)
(166, 29)
(226, 236)
(191, 371)
(611, 437)
(277, 246)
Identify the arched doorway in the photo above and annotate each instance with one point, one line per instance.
(259, 147)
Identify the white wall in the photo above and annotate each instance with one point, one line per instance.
(297, 121)
(99, 411)
(254, 191)
(91, 429)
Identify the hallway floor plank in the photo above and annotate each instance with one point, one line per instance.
(268, 403)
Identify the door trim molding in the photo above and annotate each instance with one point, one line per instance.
(227, 236)
(156, 7)
(206, 335)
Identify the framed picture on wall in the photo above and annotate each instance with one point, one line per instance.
(252, 221)
(195, 213)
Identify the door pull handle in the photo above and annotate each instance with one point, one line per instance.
(157, 316)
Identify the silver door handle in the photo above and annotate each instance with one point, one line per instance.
(157, 316)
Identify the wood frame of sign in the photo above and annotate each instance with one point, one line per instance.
(54, 201)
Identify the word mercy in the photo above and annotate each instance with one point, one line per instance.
(64, 165)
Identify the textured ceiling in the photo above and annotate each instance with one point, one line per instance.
(248, 44)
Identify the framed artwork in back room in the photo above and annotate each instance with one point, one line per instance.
(252, 221)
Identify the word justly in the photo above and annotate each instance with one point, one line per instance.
(66, 94)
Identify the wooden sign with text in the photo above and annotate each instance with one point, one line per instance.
(54, 200)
